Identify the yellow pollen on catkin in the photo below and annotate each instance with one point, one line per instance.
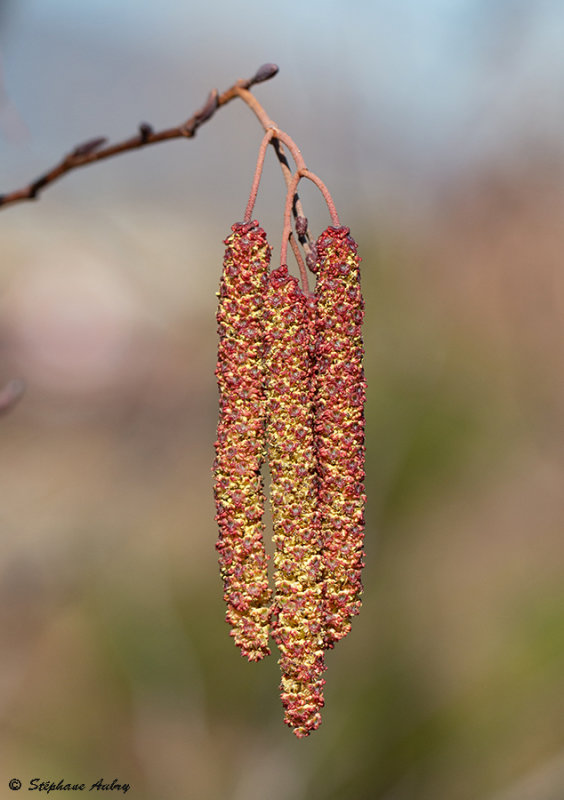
(298, 598)
(240, 445)
(339, 426)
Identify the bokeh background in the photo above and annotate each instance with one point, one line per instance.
(439, 127)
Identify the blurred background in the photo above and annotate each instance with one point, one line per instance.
(439, 128)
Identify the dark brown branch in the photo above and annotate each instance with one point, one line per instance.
(93, 150)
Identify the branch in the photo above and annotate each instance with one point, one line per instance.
(93, 150)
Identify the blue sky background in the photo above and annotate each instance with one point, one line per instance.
(389, 100)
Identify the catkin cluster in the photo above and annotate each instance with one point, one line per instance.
(291, 386)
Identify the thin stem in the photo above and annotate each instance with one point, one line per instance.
(293, 148)
(302, 171)
(280, 136)
(268, 124)
(243, 92)
(306, 173)
(301, 264)
(287, 229)
(287, 236)
(258, 172)
(304, 238)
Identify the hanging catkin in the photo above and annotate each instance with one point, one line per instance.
(240, 446)
(298, 599)
(339, 426)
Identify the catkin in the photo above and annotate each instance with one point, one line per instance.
(240, 445)
(298, 600)
(339, 426)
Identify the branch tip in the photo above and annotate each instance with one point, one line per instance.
(264, 73)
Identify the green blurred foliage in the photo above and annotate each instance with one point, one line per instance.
(450, 685)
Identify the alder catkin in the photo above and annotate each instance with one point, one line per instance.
(240, 445)
(340, 392)
(297, 618)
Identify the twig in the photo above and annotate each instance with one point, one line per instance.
(93, 150)
(288, 206)
(301, 264)
(10, 394)
(306, 173)
(258, 173)
(301, 222)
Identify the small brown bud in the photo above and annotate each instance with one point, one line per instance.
(301, 226)
(264, 73)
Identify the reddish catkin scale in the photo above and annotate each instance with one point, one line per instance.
(339, 426)
(298, 601)
(240, 445)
